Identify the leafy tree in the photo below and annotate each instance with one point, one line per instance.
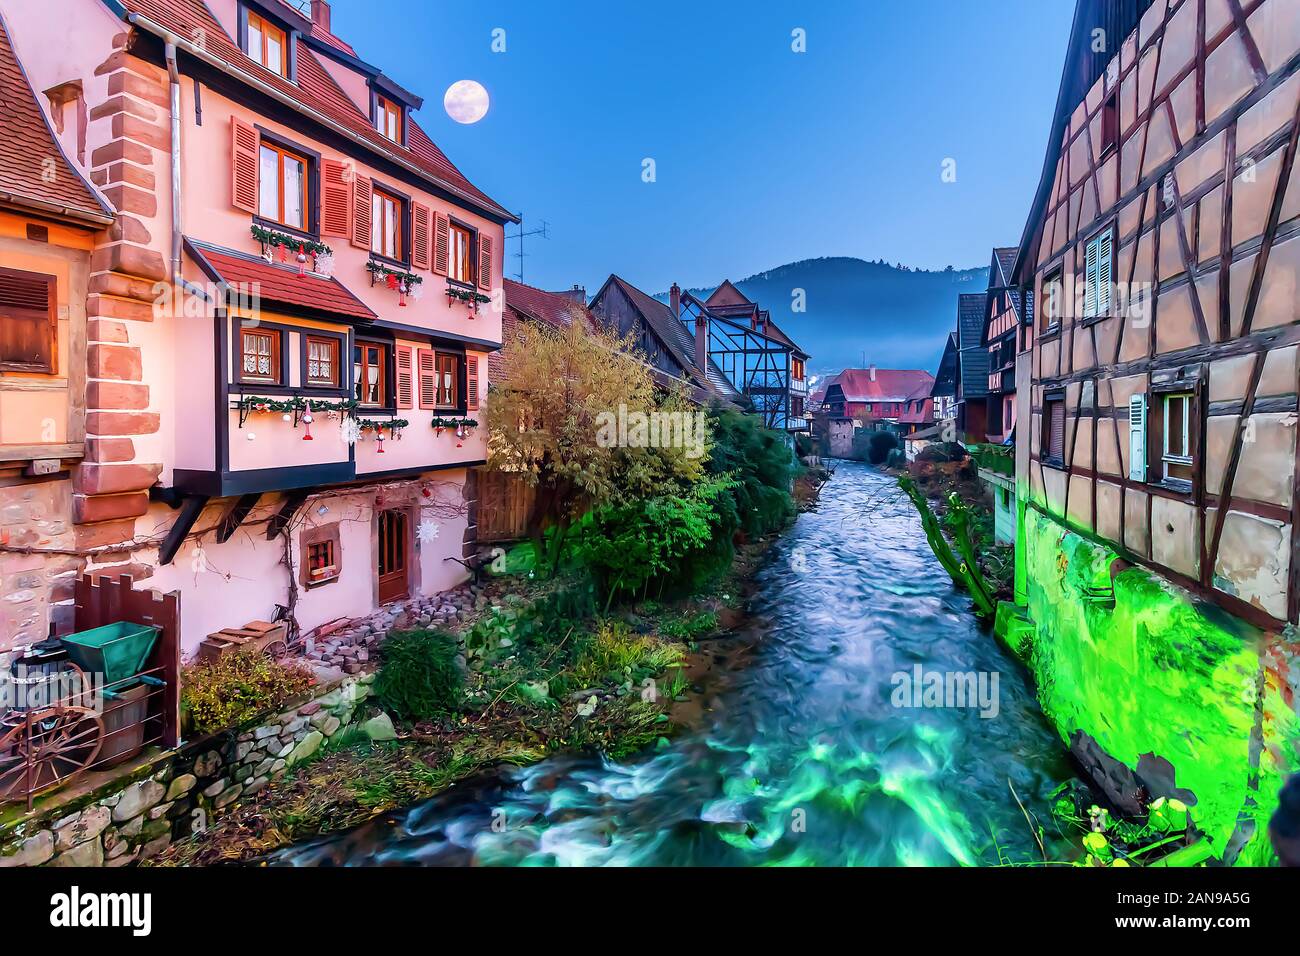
(545, 420)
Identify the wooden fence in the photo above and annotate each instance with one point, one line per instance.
(504, 502)
(103, 600)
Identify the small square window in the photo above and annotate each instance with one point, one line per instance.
(260, 356)
(322, 554)
(322, 361)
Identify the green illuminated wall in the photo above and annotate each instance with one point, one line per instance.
(1157, 673)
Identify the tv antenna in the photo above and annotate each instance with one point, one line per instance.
(538, 233)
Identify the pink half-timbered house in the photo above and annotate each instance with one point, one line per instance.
(290, 318)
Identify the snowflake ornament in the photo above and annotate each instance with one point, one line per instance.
(427, 531)
(351, 429)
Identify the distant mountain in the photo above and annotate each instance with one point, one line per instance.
(899, 317)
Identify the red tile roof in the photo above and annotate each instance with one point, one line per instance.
(28, 146)
(886, 385)
(549, 307)
(280, 283)
(726, 295)
(923, 413)
(315, 89)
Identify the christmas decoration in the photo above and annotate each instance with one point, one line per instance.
(455, 423)
(272, 240)
(400, 281)
(427, 531)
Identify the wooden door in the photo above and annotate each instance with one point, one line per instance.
(393, 556)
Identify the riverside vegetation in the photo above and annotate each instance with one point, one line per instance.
(586, 644)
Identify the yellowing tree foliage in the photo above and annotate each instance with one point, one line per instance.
(548, 421)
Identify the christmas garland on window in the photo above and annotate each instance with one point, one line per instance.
(396, 424)
(272, 238)
(259, 403)
(378, 271)
(454, 423)
(466, 295)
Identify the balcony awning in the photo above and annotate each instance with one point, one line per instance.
(277, 284)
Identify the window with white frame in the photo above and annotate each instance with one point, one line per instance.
(1176, 429)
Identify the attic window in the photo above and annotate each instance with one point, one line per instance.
(267, 44)
(388, 119)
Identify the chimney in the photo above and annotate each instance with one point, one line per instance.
(871, 372)
(675, 299)
(701, 340)
(320, 14)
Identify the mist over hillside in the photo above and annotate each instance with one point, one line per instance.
(860, 312)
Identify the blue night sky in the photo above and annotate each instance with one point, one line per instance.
(763, 156)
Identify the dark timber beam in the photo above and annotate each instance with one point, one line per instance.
(235, 515)
(190, 510)
(280, 520)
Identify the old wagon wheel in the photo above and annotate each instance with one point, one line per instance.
(48, 748)
(276, 650)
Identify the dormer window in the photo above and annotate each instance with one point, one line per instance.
(267, 44)
(388, 119)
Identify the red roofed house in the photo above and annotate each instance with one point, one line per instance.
(897, 399)
(266, 356)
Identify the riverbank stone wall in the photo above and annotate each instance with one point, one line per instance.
(138, 815)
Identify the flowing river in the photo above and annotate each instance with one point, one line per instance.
(802, 754)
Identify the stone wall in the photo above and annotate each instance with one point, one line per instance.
(140, 814)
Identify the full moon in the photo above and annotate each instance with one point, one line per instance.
(466, 101)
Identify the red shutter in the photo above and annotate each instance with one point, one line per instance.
(484, 261)
(441, 244)
(361, 191)
(335, 199)
(420, 214)
(471, 382)
(244, 147)
(428, 378)
(405, 377)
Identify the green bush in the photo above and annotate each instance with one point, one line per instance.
(760, 462)
(237, 687)
(628, 548)
(419, 678)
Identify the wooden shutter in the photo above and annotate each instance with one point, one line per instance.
(1090, 279)
(1056, 430)
(405, 377)
(428, 378)
(441, 244)
(1104, 269)
(29, 324)
(484, 261)
(362, 190)
(244, 145)
(471, 382)
(420, 237)
(1137, 438)
(335, 199)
